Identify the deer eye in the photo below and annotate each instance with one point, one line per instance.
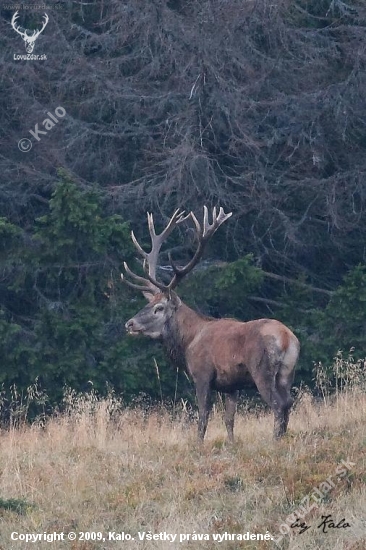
(158, 308)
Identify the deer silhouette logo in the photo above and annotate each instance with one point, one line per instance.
(28, 38)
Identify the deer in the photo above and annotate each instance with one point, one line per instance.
(218, 354)
(28, 39)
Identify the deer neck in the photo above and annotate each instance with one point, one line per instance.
(180, 331)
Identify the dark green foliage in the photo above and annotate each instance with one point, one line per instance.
(64, 305)
(222, 289)
(17, 505)
(236, 282)
(325, 323)
(345, 315)
(256, 106)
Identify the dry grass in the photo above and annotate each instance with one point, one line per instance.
(100, 467)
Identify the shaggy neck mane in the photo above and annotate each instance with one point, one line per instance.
(179, 332)
(173, 343)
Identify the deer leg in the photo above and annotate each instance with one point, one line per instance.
(280, 424)
(281, 405)
(203, 393)
(287, 403)
(230, 408)
(267, 388)
(283, 386)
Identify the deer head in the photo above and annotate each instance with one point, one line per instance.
(28, 39)
(163, 302)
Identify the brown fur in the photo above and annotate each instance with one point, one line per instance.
(224, 355)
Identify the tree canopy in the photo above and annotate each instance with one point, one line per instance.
(258, 107)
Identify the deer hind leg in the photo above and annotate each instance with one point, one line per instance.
(203, 393)
(266, 385)
(283, 382)
(230, 408)
(285, 378)
(280, 420)
(281, 404)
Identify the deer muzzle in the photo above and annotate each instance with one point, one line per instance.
(132, 327)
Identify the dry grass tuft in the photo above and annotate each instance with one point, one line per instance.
(100, 466)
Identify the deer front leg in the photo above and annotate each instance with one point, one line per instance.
(230, 408)
(203, 393)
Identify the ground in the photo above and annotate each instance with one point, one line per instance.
(101, 467)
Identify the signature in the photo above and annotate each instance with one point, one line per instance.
(326, 524)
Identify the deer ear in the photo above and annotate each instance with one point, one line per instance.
(149, 296)
(174, 298)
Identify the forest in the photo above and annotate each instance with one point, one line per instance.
(142, 106)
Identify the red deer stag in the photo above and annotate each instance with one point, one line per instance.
(219, 354)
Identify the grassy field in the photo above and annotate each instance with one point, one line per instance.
(99, 467)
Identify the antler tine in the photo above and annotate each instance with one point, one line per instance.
(14, 24)
(203, 237)
(150, 283)
(152, 280)
(150, 259)
(137, 287)
(150, 223)
(177, 218)
(196, 223)
(144, 287)
(138, 246)
(44, 24)
(206, 224)
(180, 272)
(217, 220)
(222, 217)
(133, 275)
(157, 240)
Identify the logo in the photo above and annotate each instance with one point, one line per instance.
(25, 144)
(28, 38)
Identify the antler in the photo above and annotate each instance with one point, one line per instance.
(150, 284)
(14, 25)
(203, 237)
(46, 19)
(24, 33)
